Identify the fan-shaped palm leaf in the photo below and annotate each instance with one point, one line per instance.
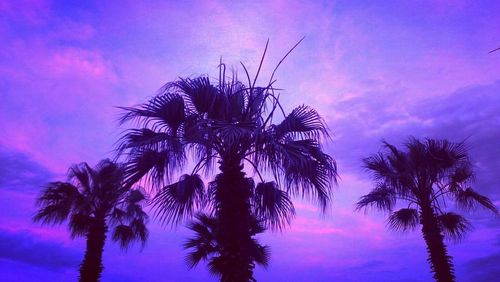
(178, 201)
(273, 206)
(454, 226)
(403, 219)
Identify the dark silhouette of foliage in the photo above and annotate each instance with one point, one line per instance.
(424, 177)
(231, 123)
(94, 200)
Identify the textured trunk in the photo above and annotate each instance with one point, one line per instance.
(234, 219)
(91, 267)
(441, 263)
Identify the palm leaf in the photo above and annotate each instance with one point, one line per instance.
(157, 165)
(403, 219)
(56, 201)
(203, 244)
(146, 138)
(79, 224)
(179, 201)
(124, 235)
(382, 198)
(303, 122)
(454, 226)
(470, 199)
(165, 111)
(273, 206)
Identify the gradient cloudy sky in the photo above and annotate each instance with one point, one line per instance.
(374, 69)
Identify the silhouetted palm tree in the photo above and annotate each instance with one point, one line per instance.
(92, 201)
(424, 177)
(231, 123)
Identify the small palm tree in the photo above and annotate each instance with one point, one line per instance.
(230, 123)
(424, 177)
(92, 201)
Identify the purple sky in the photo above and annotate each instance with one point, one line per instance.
(382, 70)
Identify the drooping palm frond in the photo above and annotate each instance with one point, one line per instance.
(159, 166)
(56, 202)
(79, 224)
(273, 206)
(454, 226)
(461, 175)
(382, 198)
(146, 138)
(307, 171)
(123, 234)
(260, 254)
(203, 244)
(403, 219)
(179, 201)
(470, 199)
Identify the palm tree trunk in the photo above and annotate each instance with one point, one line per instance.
(234, 220)
(91, 267)
(441, 263)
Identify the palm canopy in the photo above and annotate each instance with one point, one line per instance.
(428, 173)
(94, 194)
(231, 123)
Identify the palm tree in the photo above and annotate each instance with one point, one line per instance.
(230, 123)
(423, 178)
(93, 200)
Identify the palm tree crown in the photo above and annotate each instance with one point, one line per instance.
(423, 178)
(93, 200)
(231, 123)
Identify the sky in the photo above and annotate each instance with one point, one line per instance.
(375, 70)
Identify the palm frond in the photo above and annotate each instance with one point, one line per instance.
(403, 219)
(454, 226)
(203, 244)
(306, 170)
(141, 232)
(302, 122)
(470, 199)
(166, 111)
(461, 175)
(273, 206)
(56, 202)
(382, 198)
(124, 235)
(203, 97)
(146, 138)
(82, 175)
(79, 224)
(260, 254)
(178, 201)
(157, 165)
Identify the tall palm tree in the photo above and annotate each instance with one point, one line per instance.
(94, 200)
(230, 123)
(424, 177)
